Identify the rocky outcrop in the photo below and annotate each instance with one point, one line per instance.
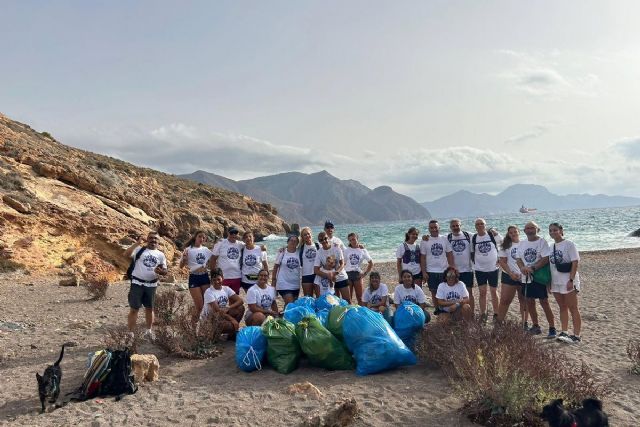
(635, 233)
(64, 208)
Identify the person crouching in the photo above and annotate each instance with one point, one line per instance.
(453, 297)
(224, 301)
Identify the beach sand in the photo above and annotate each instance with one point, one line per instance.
(215, 391)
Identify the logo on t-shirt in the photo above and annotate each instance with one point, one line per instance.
(458, 245)
(375, 299)
(324, 282)
(484, 247)
(514, 253)
(223, 301)
(200, 258)
(410, 298)
(233, 253)
(266, 300)
(530, 254)
(556, 254)
(437, 249)
(250, 260)
(293, 263)
(310, 253)
(354, 259)
(452, 295)
(149, 261)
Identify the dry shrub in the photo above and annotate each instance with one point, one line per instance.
(504, 374)
(633, 351)
(167, 305)
(7, 265)
(188, 337)
(97, 288)
(119, 338)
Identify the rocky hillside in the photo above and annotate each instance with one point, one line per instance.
(71, 211)
(312, 198)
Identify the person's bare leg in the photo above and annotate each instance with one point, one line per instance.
(198, 298)
(467, 314)
(533, 312)
(132, 318)
(307, 289)
(572, 303)
(523, 306)
(506, 296)
(547, 312)
(472, 302)
(483, 299)
(564, 311)
(344, 293)
(357, 287)
(148, 317)
(495, 301)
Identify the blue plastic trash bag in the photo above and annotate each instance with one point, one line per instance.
(295, 314)
(328, 301)
(305, 301)
(251, 347)
(375, 346)
(408, 321)
(323, 316)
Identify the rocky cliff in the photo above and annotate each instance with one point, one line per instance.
(69, 211)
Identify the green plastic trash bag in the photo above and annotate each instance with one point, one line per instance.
(321, 347)
(283, 350)
(336, 317)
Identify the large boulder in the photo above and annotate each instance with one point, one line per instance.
(635, 233)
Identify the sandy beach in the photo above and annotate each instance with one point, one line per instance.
(37, 316)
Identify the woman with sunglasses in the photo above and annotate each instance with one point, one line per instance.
(408, 256)
(308, 251)
(338, 276)
(286, 271)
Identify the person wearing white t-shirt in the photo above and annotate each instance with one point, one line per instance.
(409, 291)
(354, 256)
(224, 301)
(149, 263)
(307, 254)
(322, 282)
(565, 282)
(252, 259)
(334, 240)
(460, 241)
(511, 275)
(226, 255)
(484, 254)
(533, 254)
(261, 299)
(435, 258)
(376, 295)
(338, 276)
(453, 297)
(286, 272)
(196, 257)
(408, 256)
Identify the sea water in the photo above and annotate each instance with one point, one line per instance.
(589, 229)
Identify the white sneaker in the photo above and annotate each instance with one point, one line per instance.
(149, 335)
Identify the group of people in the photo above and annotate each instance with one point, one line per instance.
(449, 265)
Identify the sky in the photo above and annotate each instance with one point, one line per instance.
(428, 97)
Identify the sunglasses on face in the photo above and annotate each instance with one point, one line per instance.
(324, 239)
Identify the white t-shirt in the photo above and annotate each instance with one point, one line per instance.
(415, 295)
(486, 253)
(410, 260)
(461, 248)
(264, 298)
(288, 278)
(229, 257)
(353, 258)
(435, 249)
(323, 254)
(326, 287)
(511, 254)
(452, 293)
(220, 296)
(376, 296)
(531, 252)
(335, 240)
(252, 260)
(147, 263)
(308, 258)
(565, 251)
(198, 257)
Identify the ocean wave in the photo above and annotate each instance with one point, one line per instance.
(274, 238)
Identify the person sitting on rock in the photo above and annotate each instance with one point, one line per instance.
(453, 297)
(376, 295)
(224, 301)
(408, 291)
(261, 299)
(149, 263)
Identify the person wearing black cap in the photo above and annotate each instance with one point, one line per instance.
(226, 256)
(334, 240)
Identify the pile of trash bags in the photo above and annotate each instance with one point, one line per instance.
(332, 335)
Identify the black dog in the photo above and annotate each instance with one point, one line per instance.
(590, 415)
(49, 382)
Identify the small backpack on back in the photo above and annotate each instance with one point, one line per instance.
(133, 262)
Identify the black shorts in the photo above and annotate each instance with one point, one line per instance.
(535, 290)
(434, 280)
(467, 278)
(141, 295)
(507, 280)
(417, 276)
(285, 292)
(198, 279)
(309, 278)
(353, 276)
(487, 277)
(246, 286)
(341, 284)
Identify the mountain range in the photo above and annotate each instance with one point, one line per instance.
(464, 203)
(313, 198)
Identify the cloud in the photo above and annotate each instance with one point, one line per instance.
(535, 132)
(628, 147)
